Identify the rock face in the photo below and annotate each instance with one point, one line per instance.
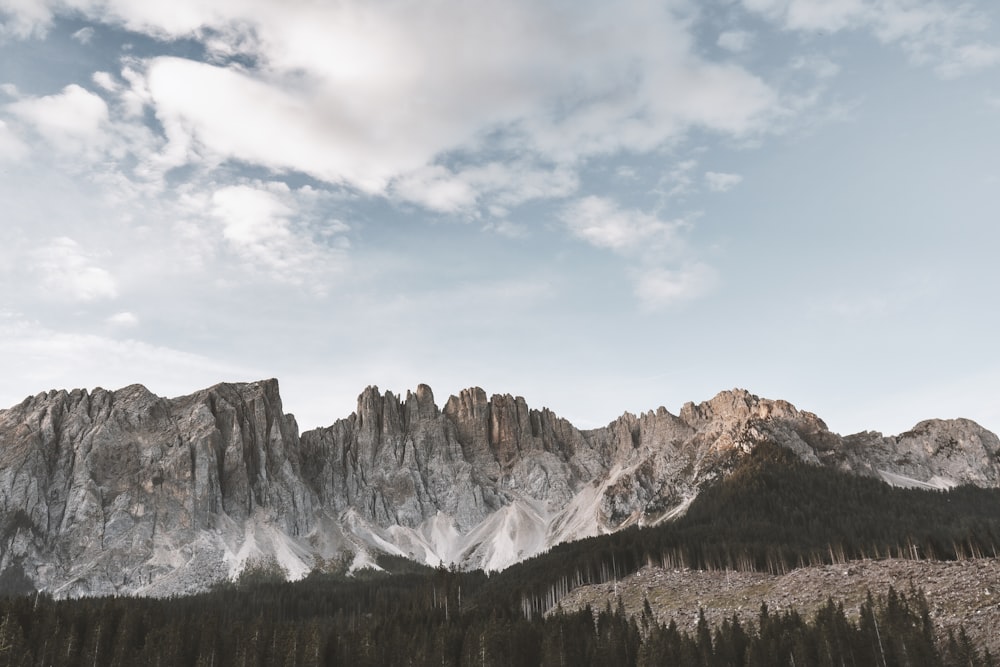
(127, 492)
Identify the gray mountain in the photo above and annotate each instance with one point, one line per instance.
(127, 492)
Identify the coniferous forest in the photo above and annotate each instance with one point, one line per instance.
(773, 513)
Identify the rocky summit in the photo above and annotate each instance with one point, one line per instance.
(126, 492)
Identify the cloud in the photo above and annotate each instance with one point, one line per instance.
(828, 15)
(105, 81)
(820, 66)
(493, 184)
(67, 273)
(969, 58)
(267, 224)
(124, 320)
(369, 94)
(942, 35)
(735, 41)
(678, 179)
(666, 271)
(600, 222)
(436, 188)
(721, 181)
(511, 230)
(48, 358)
(251, 217)
(658, 287)
(22, 19)
(73, 120)
(11, 147)
(939, 34)
(84, 35)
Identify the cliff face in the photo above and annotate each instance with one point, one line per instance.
(127, 492)
(107, 491)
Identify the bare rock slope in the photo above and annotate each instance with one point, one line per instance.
(960, 594)
(127, 492)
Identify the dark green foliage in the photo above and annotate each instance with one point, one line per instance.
(415, 620)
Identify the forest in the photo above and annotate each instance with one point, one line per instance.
(772, 513)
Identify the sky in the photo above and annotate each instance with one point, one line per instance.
(598, 206)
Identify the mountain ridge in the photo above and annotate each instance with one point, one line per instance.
(127, 492)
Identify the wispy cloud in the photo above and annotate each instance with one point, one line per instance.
(123, 320)
(11, 147)
(736, 41)
(944, 36)
(52, 359)
(494, 185)
(718, 181)
(266, 224)
(84, 35)
(601, 223)
(66, 272)
(667, 270)
(658, 287)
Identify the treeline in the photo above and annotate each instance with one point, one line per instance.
(773, 513)
(402, 620)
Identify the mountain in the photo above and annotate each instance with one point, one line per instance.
(127, 492)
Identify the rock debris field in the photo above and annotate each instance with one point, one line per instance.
(959, 593)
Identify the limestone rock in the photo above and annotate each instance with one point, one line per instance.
(127, 492)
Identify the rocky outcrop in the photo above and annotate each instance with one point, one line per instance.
(128, 492)
(106, 489)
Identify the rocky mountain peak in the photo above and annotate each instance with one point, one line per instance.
(950, 450)
(737, 406)
(420, 404)
(124, 491)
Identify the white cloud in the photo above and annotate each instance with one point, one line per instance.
(251, 216)
(494, 184)
(666, 272)
(436, 188)
(658, 287)
(84, 35)
(105, 81)
(124, 320)
(601, 223)
(72, 120)
(24, 18)
(735, 41)
(11, 147)
(47, 358)
(820, 66)
(66, 272)
(828, 15)
(511, 230)
(720, 181)
(677, 180)
(370, 94)
(270, 227)
(969, 58)
(939, 34)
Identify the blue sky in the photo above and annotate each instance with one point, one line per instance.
(599, 206)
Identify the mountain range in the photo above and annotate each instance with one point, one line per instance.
(126, 492)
